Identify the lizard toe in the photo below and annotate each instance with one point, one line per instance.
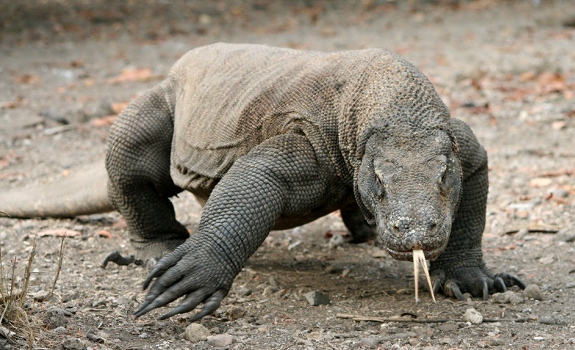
(499, 285)
(511, 280)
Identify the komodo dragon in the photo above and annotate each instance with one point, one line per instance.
(271, 138)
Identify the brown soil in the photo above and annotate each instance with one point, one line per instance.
(506, 68)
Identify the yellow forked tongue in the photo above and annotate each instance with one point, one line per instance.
(419, 258)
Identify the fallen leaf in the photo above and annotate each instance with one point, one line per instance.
(129, 75)
(104, 234)
(18, 102)
(59, 232)
(540, 182)
(26, 78)
(558, 125)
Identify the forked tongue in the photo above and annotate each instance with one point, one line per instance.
(419, 258)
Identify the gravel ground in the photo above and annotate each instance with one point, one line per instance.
(505, 67)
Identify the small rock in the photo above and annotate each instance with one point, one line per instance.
(56, 317)
(552, 320)
(336, 240)
(41, 296)
(244, 291)
(269, 290)
(473, 316)
(559, 192)
(195, 332)
(220, 340)
(317, 298)
(448, 327)
(570, 285)
(532, 291)
(73, 344)
(507, 297)
(494, 341)
(272, 282)
(515, 298)
(235, 313)
(371, 342)
(499, 298)
(566, 235)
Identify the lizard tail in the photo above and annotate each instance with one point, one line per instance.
(82, 193)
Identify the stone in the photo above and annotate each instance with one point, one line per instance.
(532, 291)
(56, 317)
(552, 320)
(73, 344)
(448, 327)
(316, 298)
(220, 340)
(473, 316)
(195, 332)
(235, 313)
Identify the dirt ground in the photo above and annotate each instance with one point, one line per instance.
(505, 67)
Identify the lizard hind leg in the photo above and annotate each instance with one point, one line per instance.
(140, 185)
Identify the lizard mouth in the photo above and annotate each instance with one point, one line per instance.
(408, 255)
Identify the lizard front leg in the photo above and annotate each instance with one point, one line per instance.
(461, 268)
(280, 177)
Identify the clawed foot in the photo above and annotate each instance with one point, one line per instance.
(479, 282)
(185, 272)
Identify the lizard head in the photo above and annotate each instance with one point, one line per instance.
(409, 186)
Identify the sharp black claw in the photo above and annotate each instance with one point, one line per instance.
(499, 284)
(516, 281)
(454, 289)
(485, 288)
(436, 286)
(119, 259)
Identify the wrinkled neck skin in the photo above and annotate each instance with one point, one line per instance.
(408, 183)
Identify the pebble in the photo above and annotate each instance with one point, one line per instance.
(448, 327)
(570, 285)
(336, 240)
(73, 344)
(41, 296)
(552, 320)
(507, 297)
(316, 298)
(566, 235)
(532, 291)
(220, 340)
(473, 316)
(370, 341)
(494, 341)
(559, 192)
(56, 317)
(244, 291)
(235, 313)
(195, 332)
(269, 290)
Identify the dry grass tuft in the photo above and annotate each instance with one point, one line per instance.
(15, 322)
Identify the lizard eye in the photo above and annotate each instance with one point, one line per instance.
(442, 175)
(380, 188)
